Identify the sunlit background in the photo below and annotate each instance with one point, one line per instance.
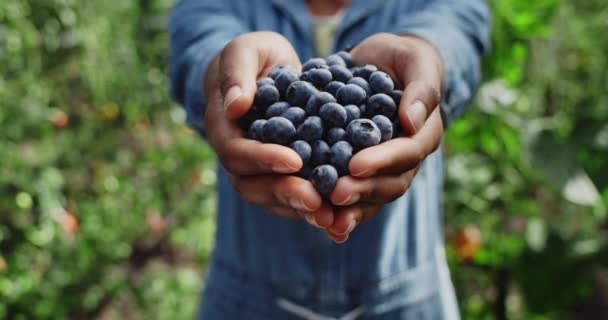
(107, 199)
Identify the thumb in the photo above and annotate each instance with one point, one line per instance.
(243, 60)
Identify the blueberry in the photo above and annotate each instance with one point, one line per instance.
(274, 72)
(304, 76)
(317, 101)
(332, 87)
(276, 109)
(351, 94)
(295, 115)
(362, 111)
(352, 112)
(348, 60)
(297, 93)
(265, 96)
(319, 77)
(386, 127)
(363, 84)
(397, 129)
(364, 71)
(333, 114)
(340, 73)
(303, 149)
(381, 82)
(305, 172)
(320, 153)
(284, 79)
(340, 155)
(311, 129)
(255, 130)
(381, 103)
(334, 135)
(278, 130)
(265, 81)
(396, 95)
(314, 63)
(324, 179)
(335, 60)
(246, 120)
(363, 133)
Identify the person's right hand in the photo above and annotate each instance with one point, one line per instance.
(257, 170)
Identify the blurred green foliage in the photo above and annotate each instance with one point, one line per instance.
(106, 199)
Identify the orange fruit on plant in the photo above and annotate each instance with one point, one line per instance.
(60, 119)
(467, 242)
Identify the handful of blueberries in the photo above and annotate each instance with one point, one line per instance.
(326, 113)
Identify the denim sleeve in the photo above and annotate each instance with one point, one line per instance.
(198, 31)
(459, 30)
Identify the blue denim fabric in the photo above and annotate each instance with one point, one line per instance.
(393, 266)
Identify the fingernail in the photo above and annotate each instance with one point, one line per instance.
(311, 220)
(233, 93)
(339, 241)
(365, 173)
(351, 199)
(417, 114)
(298, 205)
(351, 226)
(282, 167)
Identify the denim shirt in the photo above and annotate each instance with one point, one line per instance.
(393, 266)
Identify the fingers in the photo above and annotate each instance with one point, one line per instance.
(422, 76)
(273, 191)
(346, 219)
(243, 60)
(322, 218)
(401, 154)
(379, 189)
(283, 211)
(248, 157)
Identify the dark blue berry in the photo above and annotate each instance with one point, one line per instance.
(319, 77)
(351, 94)
(305, 172)
(314, 63)
(333, 87)
(363, 84)
(311, 129)
(246, 120)
(333, 114)
(340, 155)
(335, 60)
(386, 127)
(265, 96)
(274, 72)
(334, 135)
(276, 109)
(296, 115)
(363, 133)
(381, 103)
(396, 95)
(397, 129)
(381, 82)
(352, 112)
(364, 71)
(278, 130)
(304, 76)
(303, 149)
(317, 101)
(348, 60)
(324, 179)
(340, 73)
(256, 130)
(320, 153)
(297, 93)
(284, 79)
(265, 81)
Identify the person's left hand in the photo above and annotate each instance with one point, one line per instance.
(383, 173)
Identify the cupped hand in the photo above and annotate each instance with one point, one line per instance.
(257, 170)
(383, 173)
